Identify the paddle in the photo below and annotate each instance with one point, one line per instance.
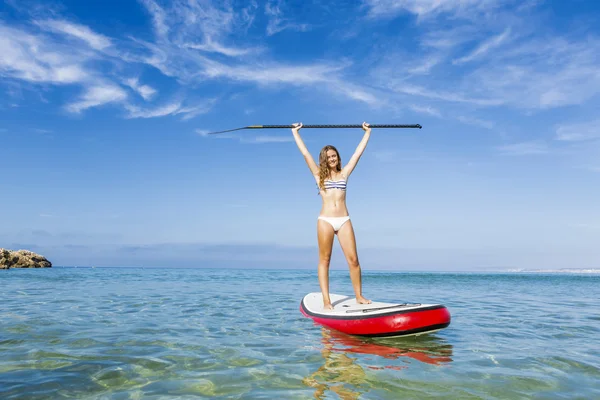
(317, 126)
(366, 310)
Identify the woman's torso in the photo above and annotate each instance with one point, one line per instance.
(334, 197)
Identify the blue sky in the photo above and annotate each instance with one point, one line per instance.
(105, 105)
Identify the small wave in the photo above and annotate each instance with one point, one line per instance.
(558, 271)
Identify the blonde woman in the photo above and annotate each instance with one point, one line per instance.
(334, 219)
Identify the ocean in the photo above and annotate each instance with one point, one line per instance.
(150, 333)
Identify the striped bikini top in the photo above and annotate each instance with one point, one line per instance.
(329, 184)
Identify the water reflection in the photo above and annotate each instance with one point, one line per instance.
(344, 374)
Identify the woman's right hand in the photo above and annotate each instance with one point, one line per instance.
(296, 127)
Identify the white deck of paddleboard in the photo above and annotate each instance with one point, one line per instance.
(347, 306)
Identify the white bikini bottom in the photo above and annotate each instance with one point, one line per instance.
(335, 222)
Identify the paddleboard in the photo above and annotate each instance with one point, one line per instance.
(378, 319)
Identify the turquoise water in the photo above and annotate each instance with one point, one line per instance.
(109, 333)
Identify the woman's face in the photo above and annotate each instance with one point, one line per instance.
(332, 159)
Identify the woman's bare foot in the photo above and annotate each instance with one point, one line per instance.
(362, 300)
(327, 307)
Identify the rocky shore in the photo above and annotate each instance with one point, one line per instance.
(22, 259)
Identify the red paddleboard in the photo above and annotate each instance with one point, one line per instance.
(376, 319)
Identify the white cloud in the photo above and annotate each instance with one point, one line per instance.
(446, 39)
(524, 148)
(215, 47)
(415, 90)
(274, 73)
(35, 59)
(277, 23)
(245, 138)
(94, 40)
(158, 18)
(173, 108)
(355, 92)
(385, 156)
(475, 122)
(514, 67)
(47, 215)
(484, 47)
(426, 110)
(97, 96)
(190, 112)
(270, 139)
(541, 74)
(201, 25)
(147, 92)
(579, 131)
(425, 8)
(167, 109)
(425, 67)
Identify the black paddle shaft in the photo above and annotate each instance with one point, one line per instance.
(335, 126)
(319, 126)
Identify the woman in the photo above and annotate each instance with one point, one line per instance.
(333, 219)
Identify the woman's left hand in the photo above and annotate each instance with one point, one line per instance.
(366, 127)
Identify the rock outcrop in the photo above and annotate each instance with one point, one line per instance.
(22, 259)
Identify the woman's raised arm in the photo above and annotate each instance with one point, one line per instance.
(314, 169)
(347, 170)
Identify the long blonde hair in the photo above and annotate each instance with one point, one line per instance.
(324, 170)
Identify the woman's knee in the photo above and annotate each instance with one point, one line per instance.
(325, 258)
(353, 262)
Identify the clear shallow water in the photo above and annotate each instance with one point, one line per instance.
(110, 333)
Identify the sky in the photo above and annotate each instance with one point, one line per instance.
(105, 109)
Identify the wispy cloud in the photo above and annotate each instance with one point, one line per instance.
(200, 41)
(244, 138)
(457, 97)
(38, 59)
(173, 108)
(475, 122)
(541, 74)
(484, 47)
(214, 47)
(425, 67)
(161, 111)
(269, 139)
(97, 96)
(81, 32)
(444, 39)
(426, 8)
(147, 92)
(426, 110)
(579, 131)
(277, 22)
(502, 59)
(524, 148)
(385, 156)
(201, 25)
(200, 30)
(43, 215)
(159, 18)
(275, 73)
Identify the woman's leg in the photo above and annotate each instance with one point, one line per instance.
(325, 235)
(348, 244)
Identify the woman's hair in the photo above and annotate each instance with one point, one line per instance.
(324, 171)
